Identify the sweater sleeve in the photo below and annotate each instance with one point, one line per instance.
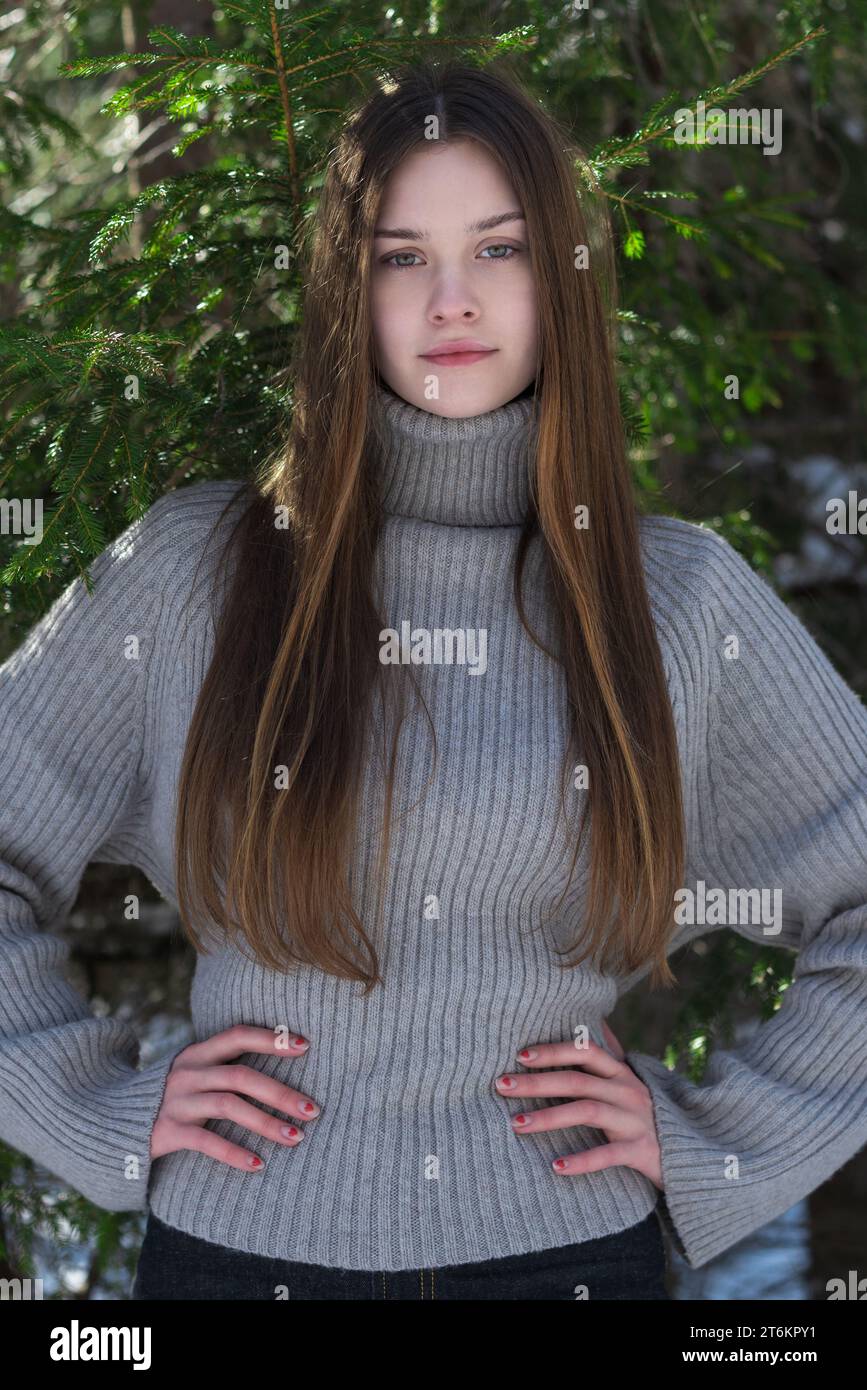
(779, 791)
(73, 700)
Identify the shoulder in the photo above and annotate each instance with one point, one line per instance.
(136, 585)
(708, 602)
(720, 613)
(692, 570)
(148, 570)
(158, 554)
(179, 524)
(683, 549)
(182, 539)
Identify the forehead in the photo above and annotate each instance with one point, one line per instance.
(451, 183)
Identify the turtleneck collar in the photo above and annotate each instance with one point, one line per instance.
(468, 471)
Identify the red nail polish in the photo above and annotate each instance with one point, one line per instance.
(559, 1164)
(520, 1120)
(255, 1162)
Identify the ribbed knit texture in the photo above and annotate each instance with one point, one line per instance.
(412, 1162)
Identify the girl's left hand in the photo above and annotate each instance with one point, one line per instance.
(613, 1099)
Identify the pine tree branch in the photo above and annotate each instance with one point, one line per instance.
(287, 107)
(620, 148)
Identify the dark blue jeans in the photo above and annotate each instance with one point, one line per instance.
(628, 1265)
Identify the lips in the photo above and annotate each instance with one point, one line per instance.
(450, 345)
(460, 352)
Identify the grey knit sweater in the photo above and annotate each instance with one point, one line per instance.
(413, 1162)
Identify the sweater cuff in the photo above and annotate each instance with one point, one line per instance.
(93, 1135)
(703, 1211)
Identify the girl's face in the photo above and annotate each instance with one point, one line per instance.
(441, 277)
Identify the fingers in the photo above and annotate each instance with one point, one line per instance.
(612, 1042)
(593, 1114)
(245, 1037)
(561, 1083)
(593, 1160)
(215, 1146)
(200, 1106)
(565, 1054)
(249, 1082)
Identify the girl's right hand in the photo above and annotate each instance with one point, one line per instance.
(200, 1087)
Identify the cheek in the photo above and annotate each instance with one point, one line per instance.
(389, 310)
(530, 305)
(517, 289)
(527, 295)
(524, 310)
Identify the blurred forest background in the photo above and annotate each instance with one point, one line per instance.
(154, 157)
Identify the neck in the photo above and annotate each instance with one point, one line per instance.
(469, 471)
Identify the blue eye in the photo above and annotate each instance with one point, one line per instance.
(391, 261)
(502, 246)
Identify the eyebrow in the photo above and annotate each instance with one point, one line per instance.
(485, 224)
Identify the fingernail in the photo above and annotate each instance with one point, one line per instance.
(255, 1162)
(520, 1121)
(506, 1082)
(527, 1054)
(309, 1108)
(559, 1164)
(300, 1042)
(289, 1131)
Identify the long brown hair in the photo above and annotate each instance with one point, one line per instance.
(295, 662)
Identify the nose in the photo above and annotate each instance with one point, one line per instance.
(452, 301)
